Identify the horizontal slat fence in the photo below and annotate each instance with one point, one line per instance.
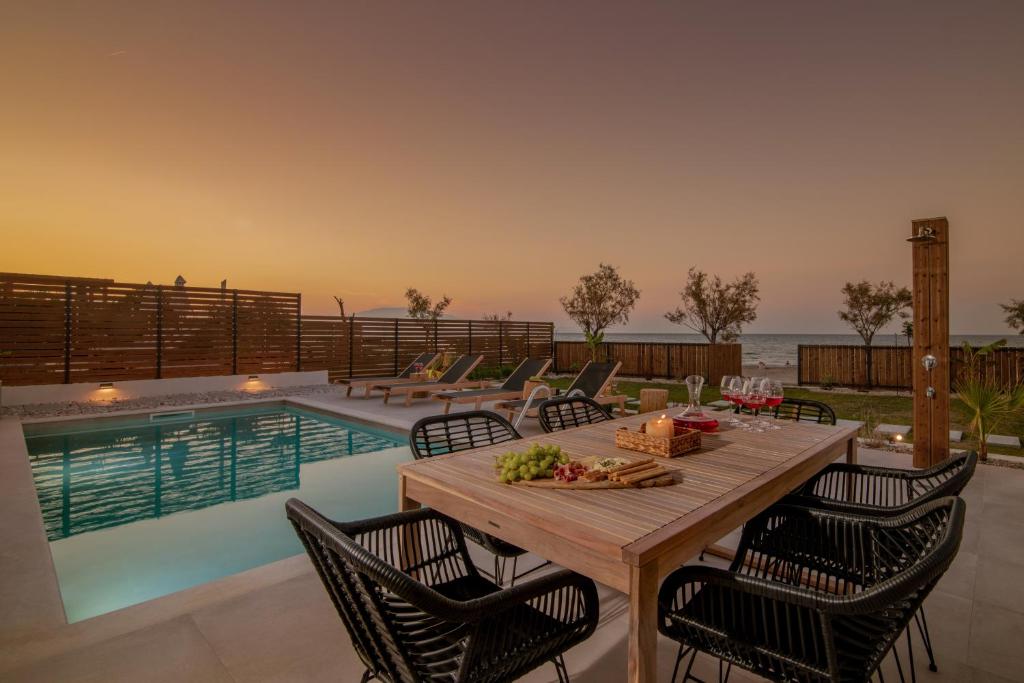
(62, 330)
(370, 347)
(656, 360)
(847, 366)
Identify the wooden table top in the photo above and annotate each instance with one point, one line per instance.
(734, 469)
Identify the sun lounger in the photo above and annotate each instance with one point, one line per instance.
(511, 388)
(453, 378)
(591, 382)
(424, 361)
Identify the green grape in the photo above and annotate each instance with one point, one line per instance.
(523, 469)
(563, 459)
(534, 470)
(528, 476)
(549, 473)
(504, 477)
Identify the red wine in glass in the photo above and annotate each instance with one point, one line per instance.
(753, 403)
(773, 401)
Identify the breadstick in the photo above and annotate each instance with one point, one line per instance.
(632, 470)
(630, 465)
(645, 474)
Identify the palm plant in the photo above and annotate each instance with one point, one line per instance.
(989, 404)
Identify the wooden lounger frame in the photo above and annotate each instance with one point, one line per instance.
(616, 399)
(369, 383)
(433, 387)
(495, 396)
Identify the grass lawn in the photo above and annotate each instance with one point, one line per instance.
(870, 408)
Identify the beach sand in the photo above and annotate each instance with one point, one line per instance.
(788, 374)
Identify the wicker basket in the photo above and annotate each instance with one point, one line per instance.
(685, 441)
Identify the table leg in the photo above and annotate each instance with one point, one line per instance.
(643, 623)
(404, 502)
(851, 450)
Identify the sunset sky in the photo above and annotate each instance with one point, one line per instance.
(496, 151)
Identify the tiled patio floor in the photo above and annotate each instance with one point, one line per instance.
(280, 626)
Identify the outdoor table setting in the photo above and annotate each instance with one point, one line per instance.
(626, 536)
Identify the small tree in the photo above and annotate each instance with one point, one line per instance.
(716, 309)
(870, 307)
(1014, 314)
(498, 317)
(908, 330)
(341, 305)
(598, 301)
(422, 308)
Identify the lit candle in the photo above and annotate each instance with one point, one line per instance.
(661, 426)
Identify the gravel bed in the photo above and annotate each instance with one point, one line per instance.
(73, 408)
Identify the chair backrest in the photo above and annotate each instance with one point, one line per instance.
(396, 622)
(440, 434)
(560, 413)
(875, 572)
(530, 367)
(424, 360)
(458, 370)
(594, 377)
(947, 478)
(805, 410)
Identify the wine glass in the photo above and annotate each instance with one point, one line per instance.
(773, 395)
(734, 394)
(753, 399)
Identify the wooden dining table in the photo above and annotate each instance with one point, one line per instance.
(629, 539)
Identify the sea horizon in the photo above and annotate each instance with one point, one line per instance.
(780, 350)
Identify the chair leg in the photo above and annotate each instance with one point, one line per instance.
(367, 676)
(563, 673)
(899, 666)
(922, 626)
(683, 651)
(910, 655)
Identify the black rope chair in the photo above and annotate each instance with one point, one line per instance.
(566, 412)
(813, 595)
(800, 410)
(441, 434)
(886, 491)
(416, 608)
(804, 410)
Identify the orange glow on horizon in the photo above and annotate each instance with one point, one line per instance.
(496, 153)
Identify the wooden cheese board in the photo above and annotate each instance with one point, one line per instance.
(664, 480)
(636, 474)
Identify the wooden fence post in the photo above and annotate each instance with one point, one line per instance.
(930, 250)
(159, 331)
(67, 333)
(298, 333)
(351, 337)
(234, 332)
(396, 347)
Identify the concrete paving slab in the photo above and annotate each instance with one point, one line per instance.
(856, 424)
(892, 430)
(956, 435)
(1000, 440)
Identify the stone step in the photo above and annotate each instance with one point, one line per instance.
(1000, 440)
(892, 430)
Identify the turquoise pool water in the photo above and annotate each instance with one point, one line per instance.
(135, 509)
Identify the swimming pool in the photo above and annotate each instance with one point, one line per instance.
(135, 509)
